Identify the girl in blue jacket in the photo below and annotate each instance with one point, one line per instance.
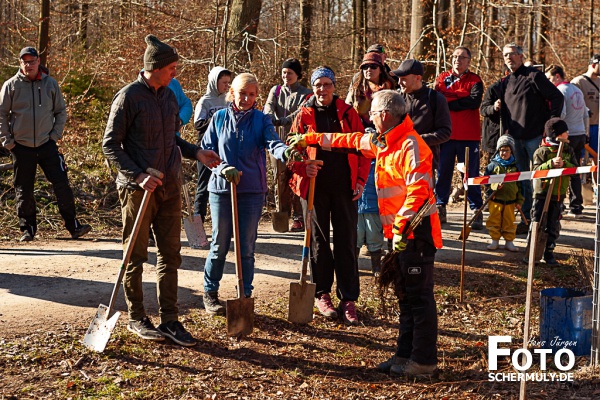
(240, 134)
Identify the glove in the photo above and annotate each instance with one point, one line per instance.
(399, 243)
(292, 154)
(231, 175)
(297, 140)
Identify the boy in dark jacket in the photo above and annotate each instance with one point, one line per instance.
(507, 197)
(545, 157)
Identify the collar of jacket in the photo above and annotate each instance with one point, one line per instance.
(144, 81)
(397, 133)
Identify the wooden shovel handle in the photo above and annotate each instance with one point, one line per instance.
(308, 222)
(236, 240)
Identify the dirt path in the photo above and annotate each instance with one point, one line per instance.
(47, 283)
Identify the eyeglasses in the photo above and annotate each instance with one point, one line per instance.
(460, 58)
(371, 113)
(511, 54)
(29, 62)
(320, 86)
(369, 66)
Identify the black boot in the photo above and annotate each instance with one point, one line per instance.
(376, 262)
(549, 258)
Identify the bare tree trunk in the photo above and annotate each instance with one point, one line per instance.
(465, 22)
(242, 30)
(44, 27)
(83, 24)
(306, 12)
(591, 30)
(421, 20)
(529, 31)
(541, 33)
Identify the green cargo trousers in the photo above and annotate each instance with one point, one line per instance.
(164, 215)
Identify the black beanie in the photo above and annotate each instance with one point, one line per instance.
(158, 54)
(555, 127)
(294, 65)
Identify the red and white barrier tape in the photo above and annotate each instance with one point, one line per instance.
(527, 175)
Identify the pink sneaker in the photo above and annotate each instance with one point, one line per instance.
(325, 306)
(348, 310)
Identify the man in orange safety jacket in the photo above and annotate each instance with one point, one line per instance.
(404, 185)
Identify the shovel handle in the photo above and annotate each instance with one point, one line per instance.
(308, 222)
(132, 239)
(236, 240)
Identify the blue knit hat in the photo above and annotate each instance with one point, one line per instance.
(320, 73)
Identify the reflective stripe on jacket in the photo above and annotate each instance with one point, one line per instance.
(350, 122)
(402, 174)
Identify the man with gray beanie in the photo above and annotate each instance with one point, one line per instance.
(141, 134)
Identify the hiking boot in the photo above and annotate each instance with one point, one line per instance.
(145, 329)
(549, 259)
(394, 360)
(325, 306)
(493, 245)
(175, 331)
(522, 228)
(297, 225)
(441, 208)
(348, 311)
(510, 246)
(80, 231)
(27, 236)
(413, 369)
(212, 305)
(477, 225)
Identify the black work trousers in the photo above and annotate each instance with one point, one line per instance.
(26, 160)
(339, 211)
(417, 339)
(577, 143)
(201, 200)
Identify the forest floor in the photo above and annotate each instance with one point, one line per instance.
(50, 289)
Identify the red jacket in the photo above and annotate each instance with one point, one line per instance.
(464, 98)
(350, 122)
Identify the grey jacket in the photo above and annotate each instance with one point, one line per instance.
(31, 112)
(282, 107)
(140, 133)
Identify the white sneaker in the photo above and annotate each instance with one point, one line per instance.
(493, 245)
(573, 215)
(510, 246)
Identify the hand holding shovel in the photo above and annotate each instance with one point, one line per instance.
(98, 334)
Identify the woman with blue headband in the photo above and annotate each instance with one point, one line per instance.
(339, 183)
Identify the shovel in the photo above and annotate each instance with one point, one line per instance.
(467, 229)
(302, 293)
(100, 329)
(193, 225)
(240, 311)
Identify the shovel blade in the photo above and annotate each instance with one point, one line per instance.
(280, 221)
(98, 334)
(464, 233)
(302, 299)
(194, 231)
(240, 316)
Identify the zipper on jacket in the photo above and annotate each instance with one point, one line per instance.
(40, 95)
(33, 96)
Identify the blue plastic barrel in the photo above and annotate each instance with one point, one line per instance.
(566, 314)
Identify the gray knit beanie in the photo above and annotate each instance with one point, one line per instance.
(506, 140)
(158, 54)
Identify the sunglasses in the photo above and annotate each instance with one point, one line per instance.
(369, 66)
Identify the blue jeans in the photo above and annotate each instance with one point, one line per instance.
(448, 152)
(250, 207)
(524, 150)
(370, 232)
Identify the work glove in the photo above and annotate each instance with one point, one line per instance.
(291, 154)
(231, 175)
(296, 140)
(399, 243)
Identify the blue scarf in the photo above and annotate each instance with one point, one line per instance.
(501, 161)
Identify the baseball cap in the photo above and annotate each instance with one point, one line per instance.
(409, 67)
(28, 50)
(376, 48)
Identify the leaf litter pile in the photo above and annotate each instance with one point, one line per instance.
(322, 360)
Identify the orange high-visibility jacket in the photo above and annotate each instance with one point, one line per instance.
(402, 174)
(350, 122)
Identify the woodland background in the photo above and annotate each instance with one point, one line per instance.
(93, 48)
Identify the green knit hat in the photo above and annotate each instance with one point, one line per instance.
(158, 54)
